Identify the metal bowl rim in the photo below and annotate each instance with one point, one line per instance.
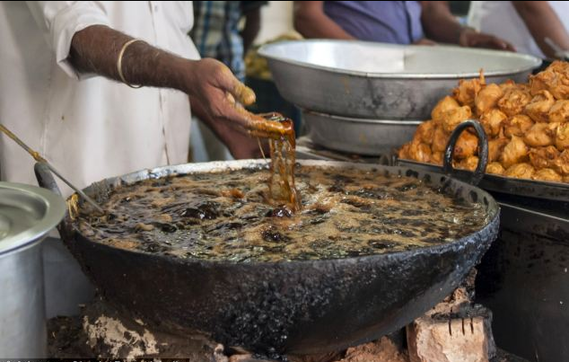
(402, 122)
(533, 62)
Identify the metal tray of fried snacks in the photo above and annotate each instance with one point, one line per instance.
(554, 191)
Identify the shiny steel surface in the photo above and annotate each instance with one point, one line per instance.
(27, 214)
(382, 81)
(359, 136)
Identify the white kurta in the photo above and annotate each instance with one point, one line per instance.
(501, 19)
(89, 128)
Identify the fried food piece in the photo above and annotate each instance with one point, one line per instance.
(437, 158)
(425, 132)
(495, 168)
(520, 170)
(467, 91)
(516, 151)
(469, 163)
(547, 174)
(440, 139)
(555, 79)
(404, 152)
(419, 151)
(562, 137)
(541, 135)
(543, 157)
(466, 145)
(506, 85)
(559, 112)
(446, 104)
(517, 125)
(538, 108)
(454, 117)
(488, 98)
(561, 163)
(495, 148)
(493, 122)
(514, 100)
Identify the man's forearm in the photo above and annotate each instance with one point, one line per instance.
(543, 22)
(96, 50)
(439, 23)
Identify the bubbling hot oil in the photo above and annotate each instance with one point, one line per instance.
(224, 216)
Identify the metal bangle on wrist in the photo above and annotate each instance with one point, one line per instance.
(119, 62)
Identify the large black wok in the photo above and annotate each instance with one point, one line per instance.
(296, 307)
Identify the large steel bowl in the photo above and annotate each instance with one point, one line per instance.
(382, 81)
(359, 136)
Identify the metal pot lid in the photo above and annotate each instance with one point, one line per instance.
(26, 214)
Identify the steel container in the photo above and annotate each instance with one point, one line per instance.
(382, 81)
(360, 136)
(27, 214)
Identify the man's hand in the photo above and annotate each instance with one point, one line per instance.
(220, 94)
(473, 39)
(240, 145)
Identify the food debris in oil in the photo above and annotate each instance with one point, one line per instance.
(224, 216)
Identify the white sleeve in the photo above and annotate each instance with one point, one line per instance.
(60, 20)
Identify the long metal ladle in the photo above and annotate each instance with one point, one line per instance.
(39, 158)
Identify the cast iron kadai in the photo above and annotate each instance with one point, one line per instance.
(554, 191)
(298, 307)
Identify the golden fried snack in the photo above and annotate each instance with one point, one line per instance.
(541, 81)
(527, 126)
(446, 104)
(404, 152)
(562, 137)
(466, 145)
(467, 91)
(488, 98)
(543, 157)
(437, 158)
(493, 122)
(454, 117)
(517, 125)
(547, 174)
(495, 168)
(559, 112)
(440, 139)
(555, 79)
(561, 163)
(469, 163)
(520, 170)
(419, 151)
(540, 135)
(515, 151)
(538, 108)
(514, 100)
(495, 148)
(425, 132)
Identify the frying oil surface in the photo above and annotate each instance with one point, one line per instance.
(225, 216)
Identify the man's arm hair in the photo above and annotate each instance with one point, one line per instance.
(96, 49)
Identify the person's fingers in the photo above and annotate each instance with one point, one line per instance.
(228, 82)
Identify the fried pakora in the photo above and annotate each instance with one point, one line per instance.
(527, 126)
(538, 108)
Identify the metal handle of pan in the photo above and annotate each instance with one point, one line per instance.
(482, 150)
